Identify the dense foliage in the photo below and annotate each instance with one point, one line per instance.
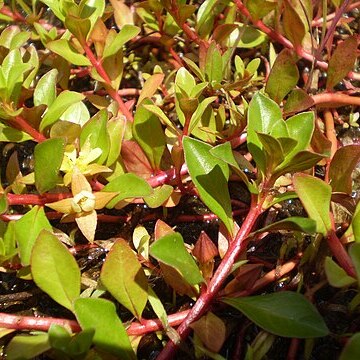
(179, 178)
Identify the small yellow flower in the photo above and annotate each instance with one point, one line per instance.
(83, 205)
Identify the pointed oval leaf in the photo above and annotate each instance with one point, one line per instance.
(59, 106)
(54, 269)
(27, 346)
(47, 172)
(283, 77)
(286, 314)
(315, 196)
(210, 175)
(27, 230)
(340, 169)
(63, 48)
(336, 275)
(128, 186)
(110, 334)
(45, 90)
(148, 133)
(124, 278)
(170, 250)
(341, 61)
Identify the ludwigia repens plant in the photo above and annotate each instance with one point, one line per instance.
(175, 179)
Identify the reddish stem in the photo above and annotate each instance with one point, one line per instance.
(285, 42)
(23, 125)
(34, 199)
(112, 92)
(340, 253)
(236, 247)
(335, 99)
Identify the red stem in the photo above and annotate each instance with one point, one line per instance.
(112, 92)
(23, 125)
(285, 42)
(335, 99)
(340, 253)
(236, 247)
(34, 199)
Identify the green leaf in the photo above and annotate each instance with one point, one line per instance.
(199, 112)
(148, 133)
(294, 223)
(59, 106)
(126, 33)
(80, 28)
(63, 48)
(27, 230)
(170, 250)
(351, 350)
(263, 113)
(159, 196)
(340, 169)
(285, 313)
(315, 196)
(55, 270)
(250, 37)
(92, 10)
(116, 129)
(206, 15)
(283, 77)
(342, 61)
(336, 275)
(355, 223)
(45, 90)
(47, 172)
(259, 8)
(56, 8)
(110, 334)
(9, 134)
(123, 276)
(158, 307)
(95, 131)
(161, 115)
(210, 176)
(128, 186)
(26, 347)
(273, 152)
(213, 64)
(297, 101)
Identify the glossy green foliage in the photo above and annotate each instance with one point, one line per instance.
(287, 314)
(76, 346)
(59, 106)
(96, 133)
(47, 173)
(210, 175)
(283, 77)
(27, 230)
(12, 75)
(315, 196)
(279, 146)
(336, 275)
(293, 223)
(123, 276)
(45, 90)
(110, 334)
(149, 135)
(55, 270)
(170, 250)
(127, 33)
(129, 186)
(27, 347)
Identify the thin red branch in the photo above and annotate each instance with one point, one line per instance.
(285, 42)
(340, 254)
(112, 92)
(34, 199)
(335, 99)
(23, 125)
(236, 247)
(319, 22)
